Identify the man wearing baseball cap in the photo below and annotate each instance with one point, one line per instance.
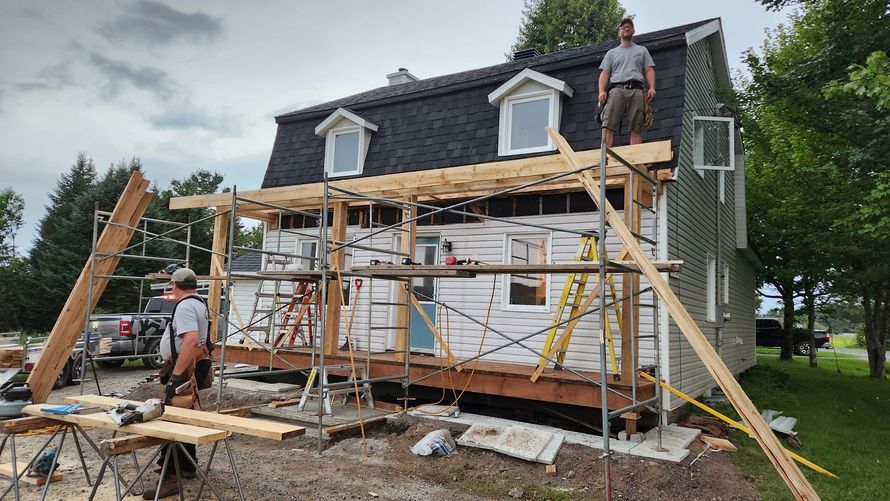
(626, 70)
(185, 350)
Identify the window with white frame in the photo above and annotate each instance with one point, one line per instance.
(713, 143)
(347, 139)
(529, 102)
(308, 249)
(527, 291)
(711, 296)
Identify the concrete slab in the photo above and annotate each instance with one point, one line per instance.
(674, 439)
(247, 384)
(517, 441)
(435, 410)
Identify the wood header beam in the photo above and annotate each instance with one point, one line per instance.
(442, 181)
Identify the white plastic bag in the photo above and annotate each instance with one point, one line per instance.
(435, 443)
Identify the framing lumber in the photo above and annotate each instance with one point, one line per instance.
(397, 270)
(6, 471)
(123, 445)
(246, 426)
(630, 284)
(58, 346)
(159, 429)
(790, 473)
(429, 323)
(217, 268)
(567, 332)
(403, 317)
(335, 289)
(441, 181)
(22, 425)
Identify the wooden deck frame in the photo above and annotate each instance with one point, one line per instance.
(436, 185)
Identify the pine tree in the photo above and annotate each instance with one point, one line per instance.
(552, 25)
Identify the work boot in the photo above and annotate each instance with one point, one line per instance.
(168, 487)
(187, 474)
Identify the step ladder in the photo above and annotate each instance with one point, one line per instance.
(312, 389)
(267, 301)
(299, 307)
(573, 295)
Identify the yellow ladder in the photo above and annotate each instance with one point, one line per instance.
(576, 283)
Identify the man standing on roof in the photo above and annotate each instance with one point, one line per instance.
(184, 347)
(621, 84)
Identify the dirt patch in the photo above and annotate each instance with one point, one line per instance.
(293, 470)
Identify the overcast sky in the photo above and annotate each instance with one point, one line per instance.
(186, 85)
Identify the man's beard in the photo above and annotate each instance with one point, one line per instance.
(627, 38)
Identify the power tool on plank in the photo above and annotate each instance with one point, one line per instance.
(126, 413)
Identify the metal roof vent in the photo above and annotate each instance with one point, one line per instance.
(401, 76)
(526, 53)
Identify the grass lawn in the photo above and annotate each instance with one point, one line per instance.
(842, 424)
(844, 341)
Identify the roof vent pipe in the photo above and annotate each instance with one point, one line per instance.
(401, 76)
(526, 53)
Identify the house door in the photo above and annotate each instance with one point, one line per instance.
(426, 252)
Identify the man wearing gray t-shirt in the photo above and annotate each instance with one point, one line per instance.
(621, 82)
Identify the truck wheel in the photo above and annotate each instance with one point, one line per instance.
(802, 348)
(74, 375)
(110, 364)
(64, 376)
(156, 361)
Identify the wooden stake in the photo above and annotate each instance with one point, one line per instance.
(791, 474)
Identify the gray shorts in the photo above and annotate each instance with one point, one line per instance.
(624, 103)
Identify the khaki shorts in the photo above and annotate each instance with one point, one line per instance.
(624, 103)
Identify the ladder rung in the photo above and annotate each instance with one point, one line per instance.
(268, 294)
(386, 303)
(641, 305)
(647, 336)
(256, 328)
(383, 328)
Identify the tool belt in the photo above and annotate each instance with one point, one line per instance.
(630, 84)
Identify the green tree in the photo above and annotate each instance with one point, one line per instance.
(822, 160)
(552, 25)
(11, 207)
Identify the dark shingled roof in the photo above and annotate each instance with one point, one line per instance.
(249, 262)
(447, 121)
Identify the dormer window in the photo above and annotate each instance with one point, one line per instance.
(347, 137)
(529, 102)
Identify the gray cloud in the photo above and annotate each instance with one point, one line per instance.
(153, 80)
(184, 116)
(54, 77)
(2, 93)
(152, 23)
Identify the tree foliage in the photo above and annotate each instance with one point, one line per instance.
(552, 25)
(818, 186)
(11, 207)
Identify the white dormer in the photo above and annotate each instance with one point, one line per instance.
(529, 102)
(347, 137)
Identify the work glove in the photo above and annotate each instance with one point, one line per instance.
(176, 380)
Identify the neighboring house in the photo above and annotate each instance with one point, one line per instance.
(498, 113)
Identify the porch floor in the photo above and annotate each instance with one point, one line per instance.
(484, 377)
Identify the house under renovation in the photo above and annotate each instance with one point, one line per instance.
(430, 231)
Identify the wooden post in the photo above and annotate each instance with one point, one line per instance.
(630, 284)
(217, 268)
(335, 289)
(798, 484)
(403, 318)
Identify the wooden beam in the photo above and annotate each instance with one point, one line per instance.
(24, 424)
(392, 270)
(271, 430)
(790, 473)
(69, 324)
(421, 182)
(335, 289)
(123, 445)
(403, 316)
(429, 323)
(160, 429)
(6, 471)
(630, 284)
(218, 268)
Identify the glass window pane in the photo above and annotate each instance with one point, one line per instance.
(425, 287)
(308, 248)
(712, 143)
(528, 289)
(528, 120)
(346, 152)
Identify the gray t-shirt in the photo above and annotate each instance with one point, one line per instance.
(191, 315)
(627, 63)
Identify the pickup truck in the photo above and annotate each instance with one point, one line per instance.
(770, 334)
(134, 335)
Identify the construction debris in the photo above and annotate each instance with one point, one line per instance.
(436, 443)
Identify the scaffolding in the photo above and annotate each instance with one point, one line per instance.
(326, 273)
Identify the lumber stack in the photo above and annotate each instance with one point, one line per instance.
(11, 357)
(69, 325)
(790, 473)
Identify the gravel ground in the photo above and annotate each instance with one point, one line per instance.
(292, 470)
